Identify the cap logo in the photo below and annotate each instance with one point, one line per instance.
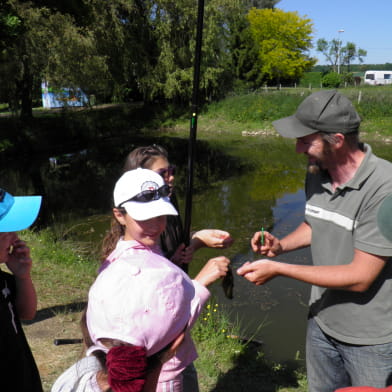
(149, 186)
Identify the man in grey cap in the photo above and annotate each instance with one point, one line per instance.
(349, 334)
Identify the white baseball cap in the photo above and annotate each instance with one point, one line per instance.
(144, 195)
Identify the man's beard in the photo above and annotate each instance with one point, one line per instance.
(318, 164)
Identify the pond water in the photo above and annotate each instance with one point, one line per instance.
(275, 313)
(241, 185)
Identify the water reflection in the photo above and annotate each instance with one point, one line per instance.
(274, 313)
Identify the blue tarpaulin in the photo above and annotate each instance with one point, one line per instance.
(57, 98)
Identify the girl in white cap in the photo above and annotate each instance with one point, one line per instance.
(141, 207)
(131, 301)
(171, 241)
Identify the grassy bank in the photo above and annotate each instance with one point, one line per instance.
(257, 111)
(61, 131)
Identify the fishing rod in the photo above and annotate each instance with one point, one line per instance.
(227, 282)
(193, 121)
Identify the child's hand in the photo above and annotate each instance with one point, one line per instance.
(214, 269)
(16, 254)
(19, 261)
(6, 244)
(183, 255)
(212, 238)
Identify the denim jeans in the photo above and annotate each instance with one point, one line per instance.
(332, 364)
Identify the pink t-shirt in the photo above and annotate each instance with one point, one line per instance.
(132, 247)
(186, 353)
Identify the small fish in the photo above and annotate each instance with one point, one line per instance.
(228, 284)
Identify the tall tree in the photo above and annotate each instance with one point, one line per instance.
(349, 53)
(124, 35)
(336, 54)
(260, 4)
(23, 57)
(98, 46)
(48, 45)
(10, 26)
(283, 40)
(174, 26)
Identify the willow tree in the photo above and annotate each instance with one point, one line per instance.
(260, 4)
(283, 40)
(173, 24)
(47, 45)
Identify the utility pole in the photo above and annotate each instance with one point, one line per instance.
(339, 48)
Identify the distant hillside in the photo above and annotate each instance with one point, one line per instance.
(354, 67)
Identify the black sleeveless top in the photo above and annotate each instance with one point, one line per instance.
(18, 370)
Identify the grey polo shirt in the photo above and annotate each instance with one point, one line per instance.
(342, 221)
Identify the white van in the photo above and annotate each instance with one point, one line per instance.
(378, 78)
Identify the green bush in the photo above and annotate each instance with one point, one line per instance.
(331, 79)
(348, 78)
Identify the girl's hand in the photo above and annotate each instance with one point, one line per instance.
(212, 238)
(183, 255)
(214, 269)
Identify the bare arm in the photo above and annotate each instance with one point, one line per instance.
(19, 263)
(299, 238)
(355, 276)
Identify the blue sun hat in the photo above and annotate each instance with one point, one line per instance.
(17, 212)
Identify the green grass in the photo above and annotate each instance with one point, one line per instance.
(62, 270)
(311, 78)
(229, 363)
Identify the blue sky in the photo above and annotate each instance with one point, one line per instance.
(367, 23)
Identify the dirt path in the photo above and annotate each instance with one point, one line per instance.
(52, 360)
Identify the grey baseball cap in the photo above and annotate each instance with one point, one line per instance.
(384, 218)
(323, 111)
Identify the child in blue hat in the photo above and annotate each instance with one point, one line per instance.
(18, 299)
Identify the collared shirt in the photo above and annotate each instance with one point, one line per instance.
(342, 221)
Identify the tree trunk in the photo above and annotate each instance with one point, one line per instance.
(26, 91)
